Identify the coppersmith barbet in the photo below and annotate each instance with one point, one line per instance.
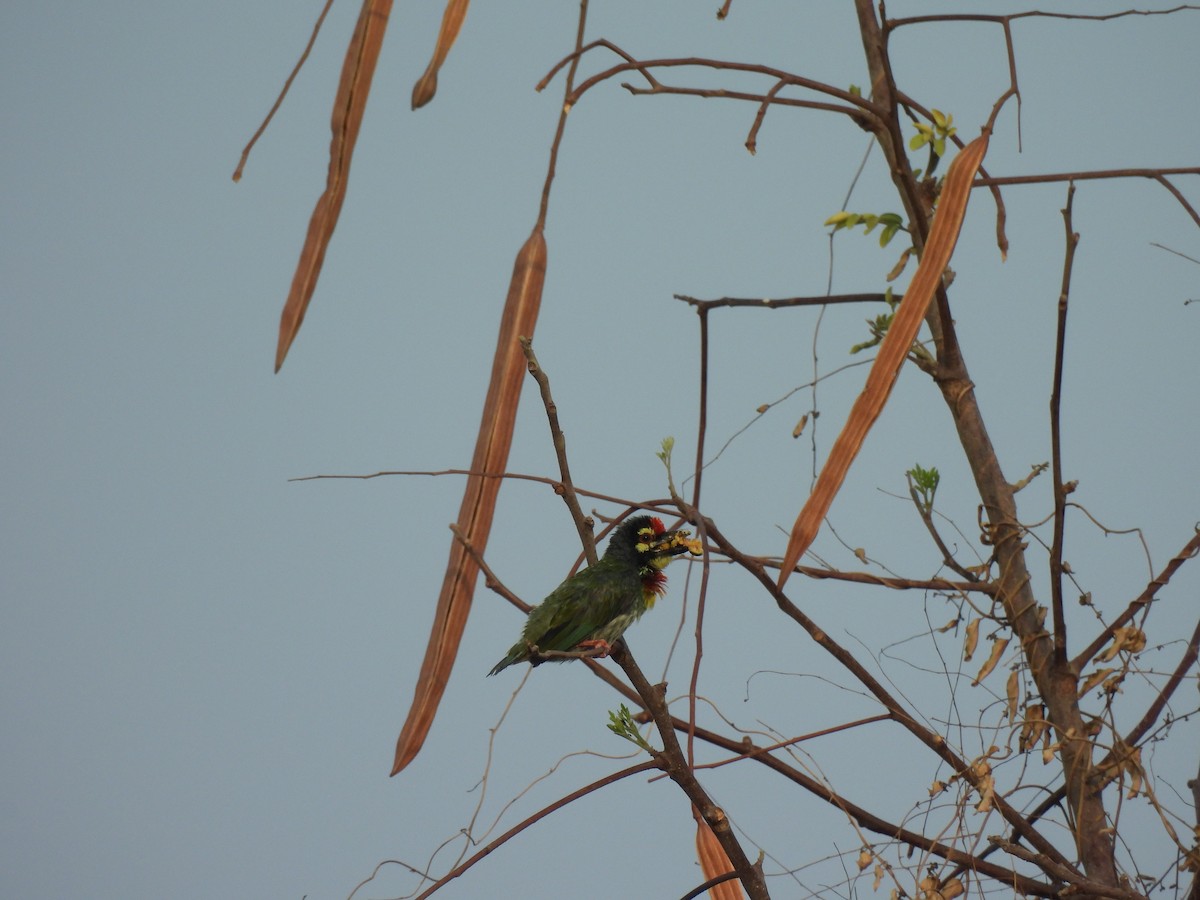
(592, 608)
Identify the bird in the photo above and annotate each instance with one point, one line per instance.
(592, 608)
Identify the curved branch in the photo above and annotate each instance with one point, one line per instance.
(1158, 175)
(857, 106)
(536, 817)
(1190, 550)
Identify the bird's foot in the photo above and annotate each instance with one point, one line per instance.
(601, 645)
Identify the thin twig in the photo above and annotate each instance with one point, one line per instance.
(1159, 175)
(1060, 492)
(659, 505)
(1079, 882)
(1135, 734)
(711, 883)
(898, 584)
(898, 713)
(561, 128)
(491, 582)
(1176, 252)
(287, 84)
(862, 817)
(858, 108)
(927, 519)
(698, 520)
(582, 524)
(984, 17)
(784, 302)
(1190, 550)
(536, 817)
(579, 51)
(677, 768)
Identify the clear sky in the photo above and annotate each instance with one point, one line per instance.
(204, 666)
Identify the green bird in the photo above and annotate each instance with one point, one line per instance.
(592, 608)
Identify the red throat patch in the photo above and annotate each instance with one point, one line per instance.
(654, 583)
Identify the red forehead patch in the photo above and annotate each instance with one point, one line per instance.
(657, 525)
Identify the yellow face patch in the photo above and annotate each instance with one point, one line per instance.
(645, 536)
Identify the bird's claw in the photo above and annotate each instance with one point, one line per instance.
(596, 644)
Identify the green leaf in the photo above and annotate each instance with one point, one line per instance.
(621, 724)
(878, 326)
(918, 141)
(925, 483)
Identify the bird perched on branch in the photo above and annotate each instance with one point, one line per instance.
(592, 608)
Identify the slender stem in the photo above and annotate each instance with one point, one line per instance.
(927, 519)
(561, 128)
(1190, 550)
(677, 768)
(583, 524)
(537, 816)
(1060, 493)
(287, 84)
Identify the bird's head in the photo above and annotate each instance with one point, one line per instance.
(644, 542)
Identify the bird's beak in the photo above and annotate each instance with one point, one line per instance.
(673, 543)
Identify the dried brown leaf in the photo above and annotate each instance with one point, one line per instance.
(1132, 765)
(987, 793)
(933, 889)
(906, 322)
(479, 499)
(1034, 726)
(971, 641)
(452, 20)
(900, 266)
(1128, 639)
(1012, 692)
(1094, 679)
(998, 648)
(353, 88)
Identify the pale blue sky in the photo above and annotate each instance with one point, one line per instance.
(203, 666)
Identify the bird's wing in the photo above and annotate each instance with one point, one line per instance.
(579, 607)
